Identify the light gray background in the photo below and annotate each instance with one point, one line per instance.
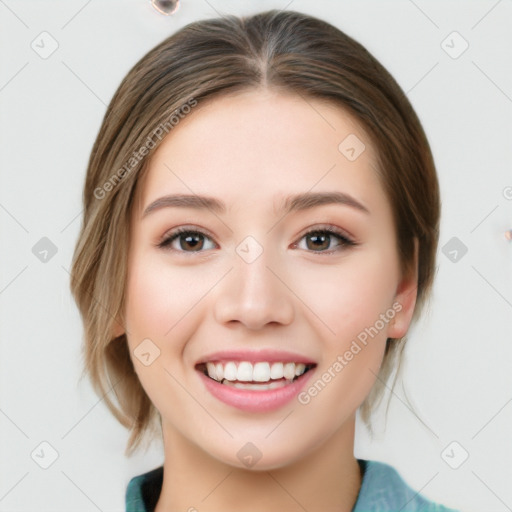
(457, 371)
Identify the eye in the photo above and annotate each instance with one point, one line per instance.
(318, 240)
(321, 240)
(186, 240)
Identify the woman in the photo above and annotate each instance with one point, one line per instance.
(261, 219)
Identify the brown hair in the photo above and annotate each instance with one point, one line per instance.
(285, 50)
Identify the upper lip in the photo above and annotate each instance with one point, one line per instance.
(255, 356)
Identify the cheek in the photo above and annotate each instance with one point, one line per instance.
(351, 297)
(160, 303)
(356, 303)
(158, 296)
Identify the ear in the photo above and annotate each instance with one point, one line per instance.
(405, 300)
(117, 328)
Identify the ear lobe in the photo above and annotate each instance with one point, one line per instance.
(117, 328)
(405, 299)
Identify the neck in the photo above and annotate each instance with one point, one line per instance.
(327, 479)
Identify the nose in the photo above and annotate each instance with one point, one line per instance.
(254, 294)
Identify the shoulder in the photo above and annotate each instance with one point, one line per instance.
(384, 490)
(143, 491)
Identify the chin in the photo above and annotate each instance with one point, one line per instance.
(260, 455)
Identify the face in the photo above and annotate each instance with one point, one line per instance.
(263, 278)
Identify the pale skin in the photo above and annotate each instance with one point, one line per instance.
(251, 150)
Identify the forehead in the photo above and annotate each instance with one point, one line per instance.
(262, 145)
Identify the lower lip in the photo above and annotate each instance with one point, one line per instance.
(256, 401)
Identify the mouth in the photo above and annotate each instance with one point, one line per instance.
(254, 376)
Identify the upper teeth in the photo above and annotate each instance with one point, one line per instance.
(257, 372)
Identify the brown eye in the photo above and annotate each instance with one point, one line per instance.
(322, 240)
(317, 241)
(193, 242)
(186, 240)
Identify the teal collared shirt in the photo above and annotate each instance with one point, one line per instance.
(382, 490)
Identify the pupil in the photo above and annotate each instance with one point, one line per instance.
(192, 242)
(322, 238)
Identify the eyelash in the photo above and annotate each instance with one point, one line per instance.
(345, 242)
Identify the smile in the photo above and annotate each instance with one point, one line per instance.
(262, 375)
(253, 382)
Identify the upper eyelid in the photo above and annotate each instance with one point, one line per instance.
(174, 233)
(203, 231)
(180, 230)
(328, 227)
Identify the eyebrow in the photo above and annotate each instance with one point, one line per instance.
(293, 203)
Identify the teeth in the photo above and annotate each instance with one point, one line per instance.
(259, 372)
(300, 369)
(289, 371)
(276, 371)
(212, 371)
(219, 370)
(230, 371)
(244, 372)
(257, 387)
